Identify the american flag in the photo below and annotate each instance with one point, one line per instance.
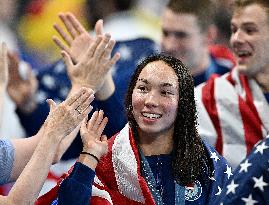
(249, 184)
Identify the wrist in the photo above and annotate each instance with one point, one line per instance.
(88, 160)
(107, 89)
(51, 137)
(91, 155)
(91, 150)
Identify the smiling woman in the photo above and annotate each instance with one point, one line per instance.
(158, 158)
(155, 100)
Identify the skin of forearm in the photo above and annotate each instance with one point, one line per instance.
(65, 143)
(2, 98)
(107, 89)
(30, 182)
(23, 150)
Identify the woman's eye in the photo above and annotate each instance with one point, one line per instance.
(142, 88)
(166, 92)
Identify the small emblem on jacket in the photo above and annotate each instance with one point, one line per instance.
(193, 191)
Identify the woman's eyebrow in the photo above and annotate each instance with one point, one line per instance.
(143, 80)
(168, 85)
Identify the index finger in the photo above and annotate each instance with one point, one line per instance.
(76, 24)
(68, 25)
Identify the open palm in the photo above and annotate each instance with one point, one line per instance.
(91, 134)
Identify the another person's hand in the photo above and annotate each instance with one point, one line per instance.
(77, 41)
(21, 88)
(68, 115)
(91, 134)
(92, 68)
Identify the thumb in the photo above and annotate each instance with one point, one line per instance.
(51, 103)
(67, 59)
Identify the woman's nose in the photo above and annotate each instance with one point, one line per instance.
(151, 99)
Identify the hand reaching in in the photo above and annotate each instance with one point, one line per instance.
(91, 134)
(92, 68)
(65, 117)
(20, 89)
(77, 41)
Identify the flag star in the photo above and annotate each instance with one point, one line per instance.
(228, 171)
(125, 52)
(212, 176)
(249, 200)
(261, 147)
(214, 156)
(64, 92)
(259, 183)
(231, 187)
(40, 97)
(219, 191)
(59, 68)
(244, 166)
(48, 81)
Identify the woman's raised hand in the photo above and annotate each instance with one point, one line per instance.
(91, 134)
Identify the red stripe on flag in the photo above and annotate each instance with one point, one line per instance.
(208, 99)
(250, 117)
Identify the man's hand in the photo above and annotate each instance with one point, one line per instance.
(77, 41)
(92, 68)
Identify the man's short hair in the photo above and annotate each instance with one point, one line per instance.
(202, 9)
(239, 4)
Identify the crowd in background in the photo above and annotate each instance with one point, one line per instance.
(106, 59)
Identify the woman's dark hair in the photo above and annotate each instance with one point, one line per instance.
(189, 154)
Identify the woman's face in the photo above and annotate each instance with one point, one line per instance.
(155, 98)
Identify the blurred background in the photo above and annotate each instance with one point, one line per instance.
(27, 25)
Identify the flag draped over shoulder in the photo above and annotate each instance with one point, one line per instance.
(119, 181)
(250, 183)
(232, 115)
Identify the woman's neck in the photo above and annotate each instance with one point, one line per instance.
(156, 145)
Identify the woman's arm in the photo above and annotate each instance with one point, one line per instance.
(61, 120)
(77, 187)
(3, 78)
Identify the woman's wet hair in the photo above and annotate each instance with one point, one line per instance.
(189, 155)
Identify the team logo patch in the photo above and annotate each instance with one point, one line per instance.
(193, 191)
